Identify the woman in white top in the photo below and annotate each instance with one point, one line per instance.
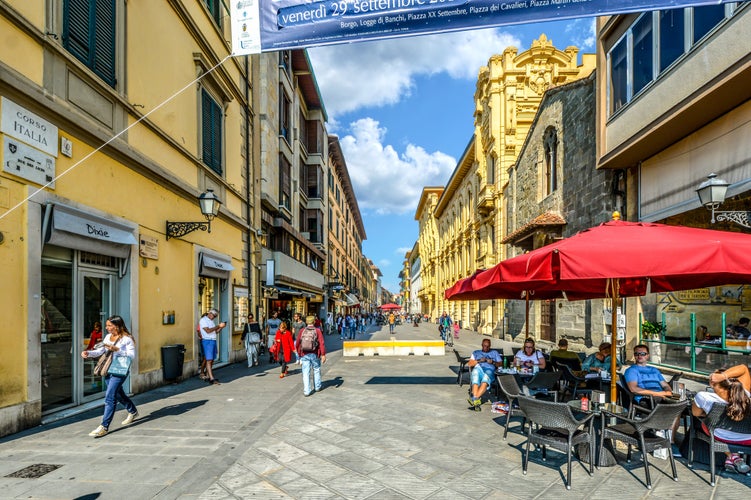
(529, 356)
(120, 342)
(731, 386)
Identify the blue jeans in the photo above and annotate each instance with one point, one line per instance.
(114, 394)
(308, 361)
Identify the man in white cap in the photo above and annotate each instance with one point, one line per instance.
(208, 331)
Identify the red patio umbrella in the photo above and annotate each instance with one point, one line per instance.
(391, 306)
(619, 259)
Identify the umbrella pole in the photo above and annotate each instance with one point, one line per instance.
(613, 340)
(526, 314)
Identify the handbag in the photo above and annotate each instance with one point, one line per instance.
(103, 365)
(120, 366)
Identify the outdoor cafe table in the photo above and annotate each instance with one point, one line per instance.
(607, 459)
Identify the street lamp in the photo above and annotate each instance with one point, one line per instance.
(209, 204)
(712, 194)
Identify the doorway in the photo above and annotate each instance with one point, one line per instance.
(74, 298)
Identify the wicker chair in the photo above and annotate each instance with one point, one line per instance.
(627, 399)
(558, 429)
(463, 367)
(508, 386)
(571, 381)
(632, 432)
(718, 419)
(543, 384)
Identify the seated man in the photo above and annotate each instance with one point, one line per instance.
(741, 329)
(600, 360)
(565, 357)
(644, 380)
(483, 364)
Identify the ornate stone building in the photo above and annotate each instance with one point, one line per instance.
(471, 214)
(428, 242)
(553, 192)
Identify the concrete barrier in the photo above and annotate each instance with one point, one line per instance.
(393, 347)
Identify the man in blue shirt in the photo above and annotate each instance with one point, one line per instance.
(644, 380)
(483, 364)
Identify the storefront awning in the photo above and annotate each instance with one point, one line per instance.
(213, 266)
(351, 300)
(73, 228)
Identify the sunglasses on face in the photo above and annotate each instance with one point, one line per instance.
(641, 353)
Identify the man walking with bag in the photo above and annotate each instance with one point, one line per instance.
(312, 352)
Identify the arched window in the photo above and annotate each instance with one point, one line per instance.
(550, 145)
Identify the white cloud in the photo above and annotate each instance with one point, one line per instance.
(583, 33)
(386, 181)
(402, 250)
(383, 263)
(381, 73)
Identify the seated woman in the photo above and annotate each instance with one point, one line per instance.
(599, 360)
(528, 357)
(731, 386)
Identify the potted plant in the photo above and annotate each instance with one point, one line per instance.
(651, 330)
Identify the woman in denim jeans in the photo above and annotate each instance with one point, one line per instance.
(120, 342)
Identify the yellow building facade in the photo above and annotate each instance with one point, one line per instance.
(104, 144)
(429, 243)
(470, 215)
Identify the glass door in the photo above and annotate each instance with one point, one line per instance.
(96, 300)
(57, 334)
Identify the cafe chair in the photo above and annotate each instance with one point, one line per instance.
(718, 419)
(508, 386)
(557, 428)
(571, 382)
(627, 399)
(543, 385)
(574, 363)
(643, 433)
(463, 367)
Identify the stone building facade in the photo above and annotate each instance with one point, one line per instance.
(553, 192)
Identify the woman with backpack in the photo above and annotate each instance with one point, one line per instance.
(312, 351)
(251, 338)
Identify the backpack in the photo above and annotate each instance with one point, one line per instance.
(309, 339)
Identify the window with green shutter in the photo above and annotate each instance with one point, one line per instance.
(89, 34)
(215, 7)
(211, 132)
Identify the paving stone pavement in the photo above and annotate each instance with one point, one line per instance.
(381, 428)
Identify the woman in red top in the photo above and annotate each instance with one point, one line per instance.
(285, 347)
(95, 337)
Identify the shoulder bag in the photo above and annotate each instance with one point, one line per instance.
(120, 366)
(103, 365)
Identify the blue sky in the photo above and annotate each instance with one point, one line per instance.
(403, 111)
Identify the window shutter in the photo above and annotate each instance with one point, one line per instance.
(211, 126)
(104, 40)
(76, 28)
(89, 34)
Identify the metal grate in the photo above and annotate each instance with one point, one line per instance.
(34, 471)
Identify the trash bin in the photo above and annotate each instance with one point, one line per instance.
(173, 357)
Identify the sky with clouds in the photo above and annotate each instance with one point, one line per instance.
(403, 111)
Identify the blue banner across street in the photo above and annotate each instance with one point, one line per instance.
(268, 25)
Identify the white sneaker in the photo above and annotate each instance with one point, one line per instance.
(98, 432)
(130, 418)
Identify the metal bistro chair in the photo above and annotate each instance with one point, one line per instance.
(463, 367)
(508, 386)
(558, 429)
(718, 419)
(633, 432)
